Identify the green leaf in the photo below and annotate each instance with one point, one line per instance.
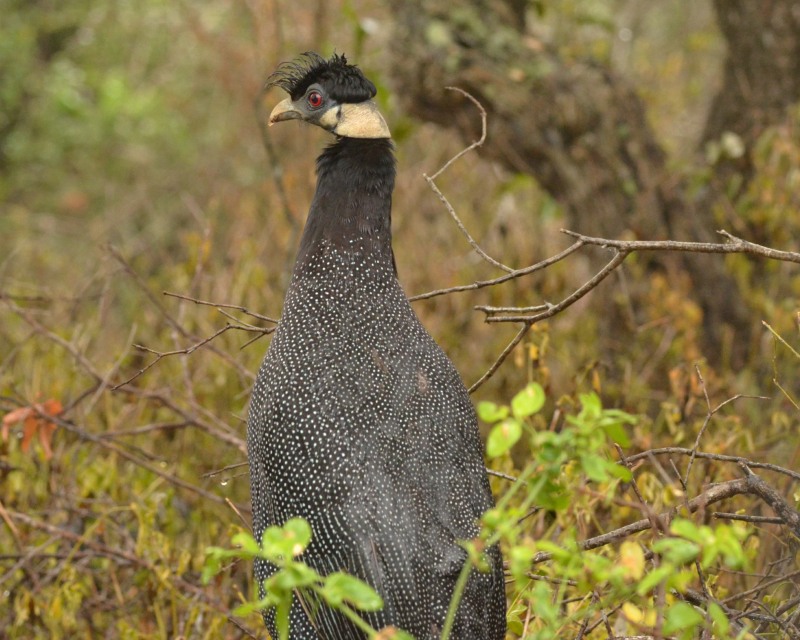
(594, 467)
(216, 555)
(528, 401)
(490, 412)
(212, 565)
(273, 545)
(248, 544)
(681, 616)
(653, 578)
(340, 587)
(676, 550)
(558, 552)
(298, 532)
(721, 622)
(301, 575)
(279, 544)
(686, 529)
(620, 472)
(249, 607)
(519, 561)
(502, 437)
(592, 406)
(614, 427)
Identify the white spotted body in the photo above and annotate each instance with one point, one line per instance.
(360, 424)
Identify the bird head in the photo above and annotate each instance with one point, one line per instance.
(331, 94)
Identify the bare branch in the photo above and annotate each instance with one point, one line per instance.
(719, 515)
(221, 305)
(475, 144)
(714, 494)
(160, 355)
(776, 502)
(715, 456)
(710, 413)
(736, 245)
(511, 276)
(476, 247)
(443, 199)
(501, 358)
(571, 299)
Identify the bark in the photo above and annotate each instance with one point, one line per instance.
(762, 68)
(761, 81)
(581, 129)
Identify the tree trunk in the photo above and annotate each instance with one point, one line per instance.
(581, 129)
(761, 82)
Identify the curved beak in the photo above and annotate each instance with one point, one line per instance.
(284, 110)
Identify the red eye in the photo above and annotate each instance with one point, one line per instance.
(314, 99)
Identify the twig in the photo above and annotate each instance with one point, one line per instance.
(642, 506)
(736, 245)
(714, 494)
(160, 355)
(430, 180)
(776, 502)
(768, 583)
(147, 428)
(221, 305)
(475, 246)
(176, 326)
(480, 284)
(118, 554)
(489, 309)
(236, 510)
(216, 472)
(501, 358)
(715, 456)
(156, 469)
(720, 515)
(475, 144)
(551, 311)
(571, 299)
(710, 413)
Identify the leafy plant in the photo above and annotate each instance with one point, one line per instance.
(283, 547)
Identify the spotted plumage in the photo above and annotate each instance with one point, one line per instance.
(359, 423)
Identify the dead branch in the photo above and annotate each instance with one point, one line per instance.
(553, 309)
(734, 245)
(518, 273)
(715, 456)
(160, 355)
(221, 305)
(751, 484)
(709, 414)
(430, 180)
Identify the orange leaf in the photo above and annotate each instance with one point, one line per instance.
(13, 417)
(31, 424)
(34, 422)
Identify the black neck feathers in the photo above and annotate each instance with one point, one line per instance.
(352, 207)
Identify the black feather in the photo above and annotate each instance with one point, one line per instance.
(342, 81)
(359, 422)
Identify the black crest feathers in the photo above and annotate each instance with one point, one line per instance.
(343, 82)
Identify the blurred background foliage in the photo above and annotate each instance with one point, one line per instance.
(132, 162)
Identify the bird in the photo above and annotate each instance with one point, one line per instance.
(358, 421)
